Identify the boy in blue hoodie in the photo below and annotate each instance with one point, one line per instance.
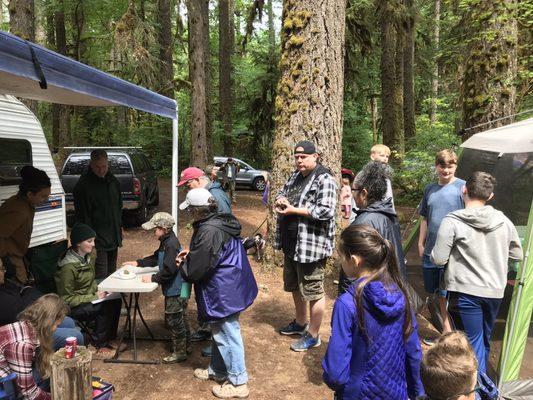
(170, 280)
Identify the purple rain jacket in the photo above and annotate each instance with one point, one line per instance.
(218, 266)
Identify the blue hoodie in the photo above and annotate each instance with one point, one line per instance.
(382, 367)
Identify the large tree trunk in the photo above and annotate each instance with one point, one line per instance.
(22, 18)
(398, 142)
(488, 89)
(389, 120)
(166, 70)
(198, 55)
(435, 77)
(57, 39)
(226, 39)
(22, 23)
(309, 102)
(408, 73)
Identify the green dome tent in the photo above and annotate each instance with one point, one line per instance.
(507, 153)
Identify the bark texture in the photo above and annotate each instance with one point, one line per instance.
(309, 102)
(226, 45)
(488, 90)
(435, 78)
(198, 56)
(165, 39)
(409, 73)
(22, 24)
(391, 71)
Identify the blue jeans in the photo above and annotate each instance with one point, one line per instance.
(433, 276)
(476, 316)
(66, 329)
(227, 359)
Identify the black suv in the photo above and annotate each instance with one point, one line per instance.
(138, 181)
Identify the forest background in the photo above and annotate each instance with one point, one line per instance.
(416, 74)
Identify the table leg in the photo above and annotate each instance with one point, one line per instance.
(134, 327)
(144, 322)
(130, 325)
(127, 328)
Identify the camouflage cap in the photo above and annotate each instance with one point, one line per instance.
(159, 220)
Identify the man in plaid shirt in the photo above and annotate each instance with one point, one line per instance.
(305, 232)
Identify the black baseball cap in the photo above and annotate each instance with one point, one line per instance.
(307, 146)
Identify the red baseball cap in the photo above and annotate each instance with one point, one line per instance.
(190, 173)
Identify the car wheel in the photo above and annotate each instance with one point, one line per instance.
(259, 184)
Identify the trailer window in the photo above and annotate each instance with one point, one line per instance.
(14, 154)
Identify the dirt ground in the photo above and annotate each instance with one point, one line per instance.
(275, 371)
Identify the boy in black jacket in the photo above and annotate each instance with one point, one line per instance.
(170, 280)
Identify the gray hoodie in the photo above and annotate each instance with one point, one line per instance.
(476, 244)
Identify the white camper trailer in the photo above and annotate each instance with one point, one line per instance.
(22, 142)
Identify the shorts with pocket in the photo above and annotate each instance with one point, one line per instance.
(433, 277)
(307, 278)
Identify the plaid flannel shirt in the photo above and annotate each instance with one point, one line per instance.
(18, 343)
(316, 233)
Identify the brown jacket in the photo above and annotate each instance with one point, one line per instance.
(16, 226)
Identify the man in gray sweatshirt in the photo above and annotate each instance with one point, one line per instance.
(476, 244)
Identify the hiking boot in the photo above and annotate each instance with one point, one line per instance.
(229, 391)
(200, 336)
(174, 358)
(203, 375)
(305, 342)
(294, 329)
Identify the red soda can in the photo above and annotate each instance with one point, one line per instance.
(71, 346)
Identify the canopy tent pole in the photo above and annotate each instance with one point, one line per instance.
(517, 328)
(174, 189)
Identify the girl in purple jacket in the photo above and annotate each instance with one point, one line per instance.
(374, 350)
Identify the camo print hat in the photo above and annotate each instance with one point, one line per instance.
(160, 220)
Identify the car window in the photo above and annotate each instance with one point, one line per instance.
(119, 165)
(14, 154)
(244, 165)
(76, 165)
(218, 163)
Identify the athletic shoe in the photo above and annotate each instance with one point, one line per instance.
(294, 329)
(305, 342)
(229, 391)
(203, 375)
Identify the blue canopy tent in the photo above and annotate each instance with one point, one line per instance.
(31, 71)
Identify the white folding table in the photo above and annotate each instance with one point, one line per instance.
(114, 284)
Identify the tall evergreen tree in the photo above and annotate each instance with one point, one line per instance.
(226, 39)
(309, 102)
(198, 58)
(488, 89)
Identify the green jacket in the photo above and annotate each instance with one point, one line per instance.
(75, 279)
(98, 203)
